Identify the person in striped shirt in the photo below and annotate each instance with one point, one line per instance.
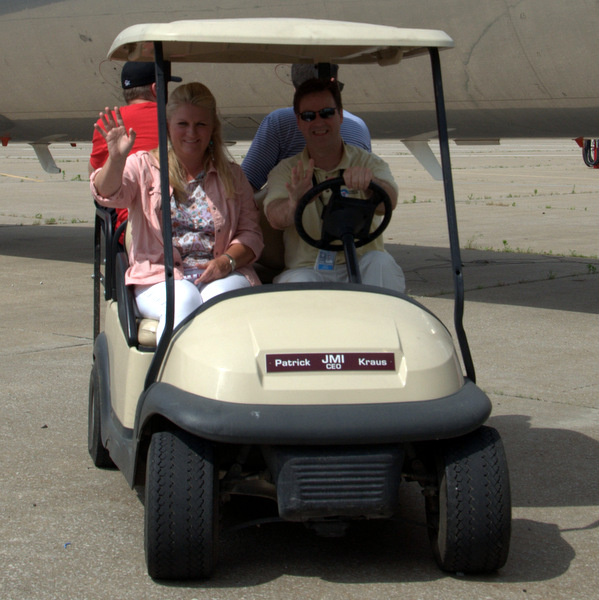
(278, 136)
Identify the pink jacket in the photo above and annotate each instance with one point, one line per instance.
(236, 220)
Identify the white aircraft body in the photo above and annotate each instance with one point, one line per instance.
(520, 68)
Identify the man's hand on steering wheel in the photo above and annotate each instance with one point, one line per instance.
(357, 178)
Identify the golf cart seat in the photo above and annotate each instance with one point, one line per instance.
(146, 332)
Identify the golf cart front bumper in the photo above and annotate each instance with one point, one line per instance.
(369, 423)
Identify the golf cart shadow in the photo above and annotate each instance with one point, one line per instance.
(541, 473)
(374, 552)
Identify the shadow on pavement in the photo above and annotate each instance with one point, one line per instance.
(534, 280)
(68, 243)
(549, 467)
(551, 282)
(398, 551)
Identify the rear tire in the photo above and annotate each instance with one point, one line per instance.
(469, 518)
(100, 456)
(181, 520)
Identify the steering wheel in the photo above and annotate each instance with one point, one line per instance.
(344, 216)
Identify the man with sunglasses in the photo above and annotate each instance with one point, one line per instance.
(278, 136)
(319, 113)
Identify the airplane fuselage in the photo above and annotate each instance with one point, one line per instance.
(521, 68)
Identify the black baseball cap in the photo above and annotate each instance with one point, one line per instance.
(136, 74)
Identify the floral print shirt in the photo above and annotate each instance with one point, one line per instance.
(193, 226)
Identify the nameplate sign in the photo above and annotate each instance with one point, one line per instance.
(344, 361)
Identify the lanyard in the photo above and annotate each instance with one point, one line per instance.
(315, 183)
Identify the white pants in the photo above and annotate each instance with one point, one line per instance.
(377, 268)
(151, 299)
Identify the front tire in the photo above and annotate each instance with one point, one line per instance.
(469, 516)
(180, 507)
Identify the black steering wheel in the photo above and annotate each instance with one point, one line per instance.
(344, 216)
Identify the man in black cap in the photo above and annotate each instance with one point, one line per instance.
(138, 80)
(278, 136)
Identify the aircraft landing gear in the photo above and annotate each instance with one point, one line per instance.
(590, 151)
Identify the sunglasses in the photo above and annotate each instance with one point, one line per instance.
(310, 115)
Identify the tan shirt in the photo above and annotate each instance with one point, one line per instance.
(297, 252)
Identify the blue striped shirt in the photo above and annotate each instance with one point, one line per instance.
(278, 137)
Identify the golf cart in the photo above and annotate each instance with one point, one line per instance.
(261, 392)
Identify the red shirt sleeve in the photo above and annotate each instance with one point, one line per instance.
(143, 119)
(99, 152)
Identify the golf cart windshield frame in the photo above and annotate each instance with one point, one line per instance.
(286, 41)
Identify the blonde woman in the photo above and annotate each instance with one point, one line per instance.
(216, 232)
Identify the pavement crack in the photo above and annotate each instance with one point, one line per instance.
(542, 400)
(50, 349)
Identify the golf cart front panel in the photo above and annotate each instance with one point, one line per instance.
(329, 346)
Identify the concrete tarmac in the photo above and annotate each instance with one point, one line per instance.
(528, 216)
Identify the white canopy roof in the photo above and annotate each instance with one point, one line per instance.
(275, 40)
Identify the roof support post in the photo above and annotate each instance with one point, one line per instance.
(452, 222)
(162, 77)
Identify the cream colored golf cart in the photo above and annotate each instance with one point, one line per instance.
(260, 392)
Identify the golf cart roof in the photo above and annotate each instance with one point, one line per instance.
(275, 40)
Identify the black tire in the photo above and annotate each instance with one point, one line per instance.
(100, 456)
(469, 517)
(181, 516)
